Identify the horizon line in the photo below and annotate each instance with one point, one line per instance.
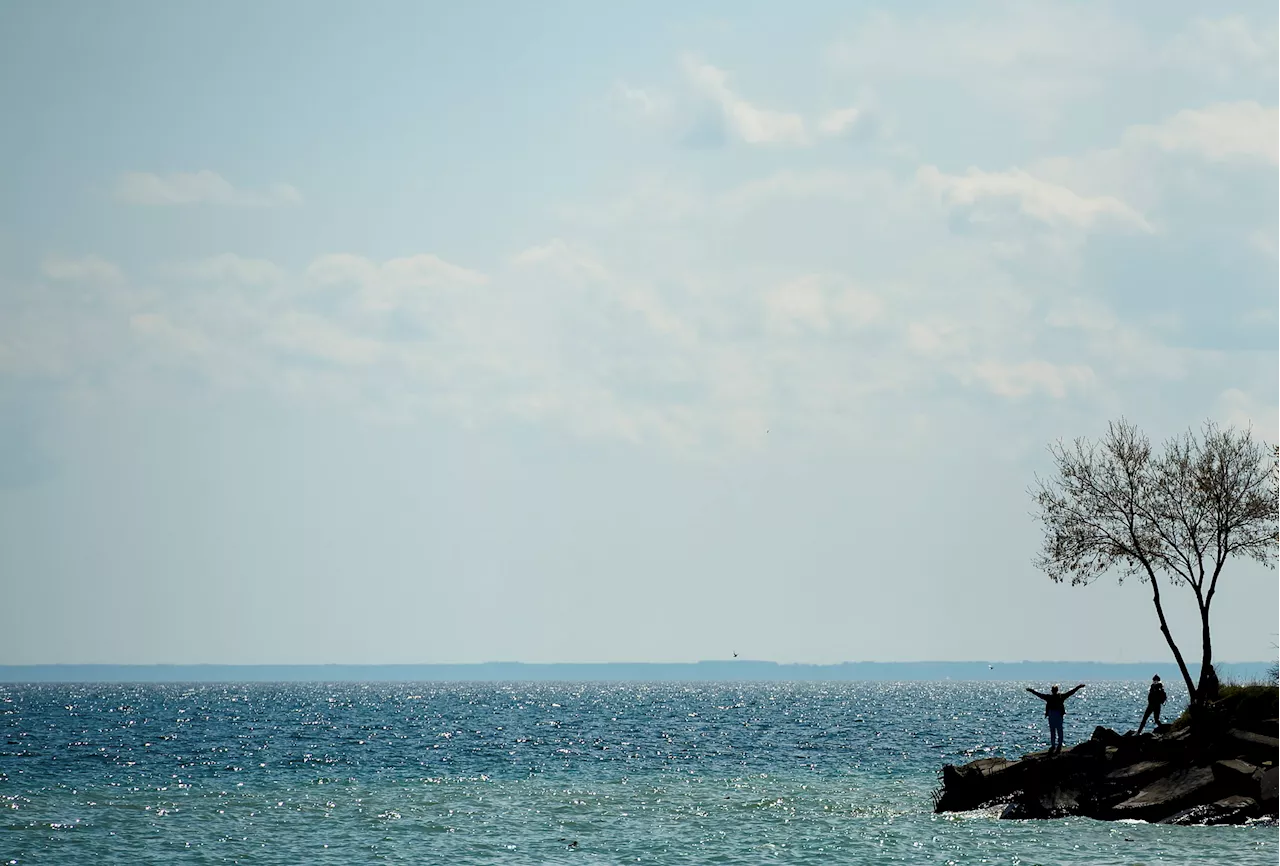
(707, 671)
(735, 661)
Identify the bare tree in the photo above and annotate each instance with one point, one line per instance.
(1113, 506)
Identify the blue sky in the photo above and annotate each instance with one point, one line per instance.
(406, 332)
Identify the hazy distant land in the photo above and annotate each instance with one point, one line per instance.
(704, 671)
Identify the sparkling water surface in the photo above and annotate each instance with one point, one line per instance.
(547, 773)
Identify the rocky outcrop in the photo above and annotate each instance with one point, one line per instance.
(1267, 780)
(1239, 775)
(1223, 776)
(1229, 810)
(1257, 746)
(1259, 726)
(1186, 786)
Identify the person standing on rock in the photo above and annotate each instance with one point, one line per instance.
(1055, 708)
(1155, 700)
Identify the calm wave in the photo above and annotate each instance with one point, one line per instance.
(545, 773)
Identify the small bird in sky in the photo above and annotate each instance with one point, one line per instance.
(735, 655)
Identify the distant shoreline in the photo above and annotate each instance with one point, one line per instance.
(705, 671)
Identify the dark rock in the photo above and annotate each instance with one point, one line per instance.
(1221, 769)
(1109, 789)
(1137, 747)
(1106, 736)
(979, 783)
(1140, 773)
(1250, 745)
(1238, 777)
(1065, 784)
(1169, 735)
(1229, 810)
(1057, 801)
(989, 781)
(1171, 745)
(1168, 794)
(1017, 811)
(972, 771)
(1266, 727)
(1087, 749)
(1087, 758)
(1035, 757)
(1267, 780)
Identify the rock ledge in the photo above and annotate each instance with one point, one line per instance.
(1225, 777)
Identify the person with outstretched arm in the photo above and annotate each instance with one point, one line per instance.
(1055, 707)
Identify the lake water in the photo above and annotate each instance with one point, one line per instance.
(547, 773)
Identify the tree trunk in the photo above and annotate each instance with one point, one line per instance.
(1207, 690)
(1168, 636)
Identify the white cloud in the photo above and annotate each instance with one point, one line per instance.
(558, 338)
(317, 337)
(560, 258)
(427, 271)
(229, 267)
(748, 122)
(1266, 242)
(567, 337)
(645, 106)
(1244, 131)
(90, 269)
(793, 280)
(817, 302)
(1238, 407)
(1040, 199)
(999, 36)
(698, 311)
(651, 200)
(1033, 58)
(198, 187)
(1259, 317)
(811, 185)
(342, 268)
(1084, 313)
(710, 111)
(938, 338)
(394, 275)
(419, 281)
(157, 326)
(1021, 379)
(839, 122)
(1224, 49)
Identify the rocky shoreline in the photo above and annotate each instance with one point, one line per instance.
(1225, 774)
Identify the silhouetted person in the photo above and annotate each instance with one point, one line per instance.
(1055, 707)
(1208, 688)
(1155, 700)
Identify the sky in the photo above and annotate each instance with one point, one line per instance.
(408, 332)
